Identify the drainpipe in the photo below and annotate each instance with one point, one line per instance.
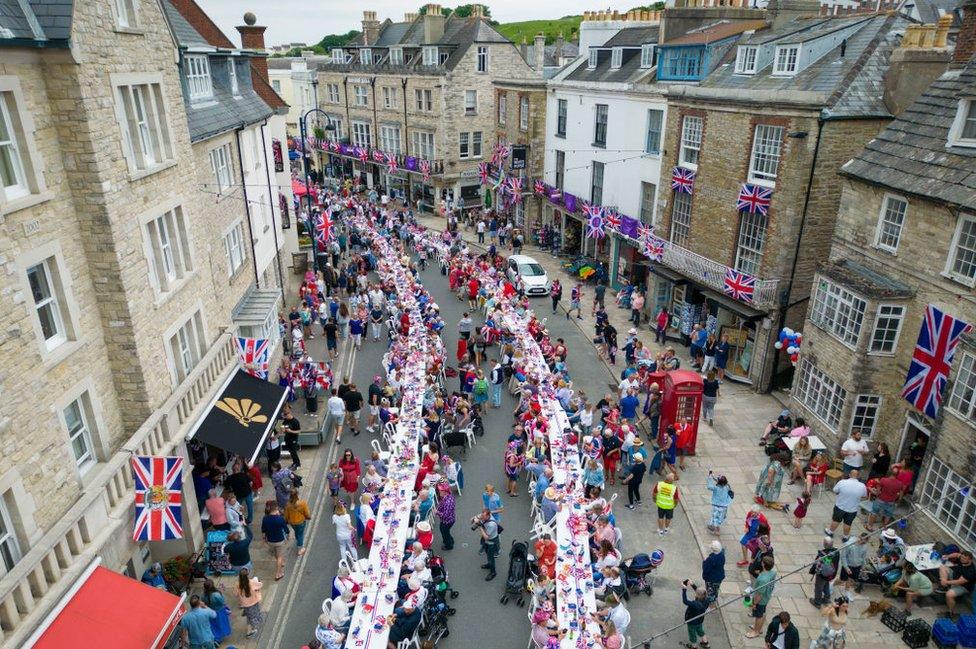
(406, 138)
(247, 205)
(271, 203)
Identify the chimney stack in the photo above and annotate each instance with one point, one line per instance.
(433, 24)
(371, 28)
(252, 38)
(477, 11)
(410, 16)
(966, 38)
(914, 64)
(540, 52)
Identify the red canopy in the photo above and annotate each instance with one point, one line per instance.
(112, 611)
(298, 188)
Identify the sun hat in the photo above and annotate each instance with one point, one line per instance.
(638, 441)
(550, 493)
(890, 534)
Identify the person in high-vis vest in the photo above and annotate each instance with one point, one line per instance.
(666, 498)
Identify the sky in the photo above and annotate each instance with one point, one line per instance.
(309, 20)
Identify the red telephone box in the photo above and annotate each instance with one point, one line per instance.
(682, 398)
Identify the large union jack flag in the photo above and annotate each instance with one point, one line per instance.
(654, 248)
(595, 221)
(483, 173)
(682, 180)
(362, 153)
(932, 358)
(253, 354)
(391, 163)
(739, 285)
(425, 169)
(754, 199)
(539, 187)
(159, 498)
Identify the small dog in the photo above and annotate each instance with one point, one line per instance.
(876, 607)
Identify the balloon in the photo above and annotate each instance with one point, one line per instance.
(778, 345)
(791, 350)
(789, 332)
(799, 337)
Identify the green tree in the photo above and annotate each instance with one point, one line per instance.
(445, 11)
(338, 40)
(463, 11)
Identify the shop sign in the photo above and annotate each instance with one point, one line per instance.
(469, 173)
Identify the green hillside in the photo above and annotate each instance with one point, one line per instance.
(568, 26)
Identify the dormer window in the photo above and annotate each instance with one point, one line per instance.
(647, 56)
(593, 58)
(338, 55)
(396, 56)
(787, 58)
(430, 56)
(232, 72)
(963, 131)
(442, 57)
(616, 57)
(365, 56)
(745, 60)
(198, 77)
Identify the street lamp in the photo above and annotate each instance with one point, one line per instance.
(303, 130)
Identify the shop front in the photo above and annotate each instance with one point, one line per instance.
(628, 265)
(424, 192)
(396, 183)
(470, 193)
(573, 241)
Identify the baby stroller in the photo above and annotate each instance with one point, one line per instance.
(439, 578)
(518, 573)
(639, 572)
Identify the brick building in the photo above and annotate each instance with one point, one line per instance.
(116, 301)
(772, 109)
(905, 239)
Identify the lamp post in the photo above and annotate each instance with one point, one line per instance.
(303, 131)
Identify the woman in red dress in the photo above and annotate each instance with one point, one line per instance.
(351, 471)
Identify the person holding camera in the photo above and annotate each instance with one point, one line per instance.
(695, 610)
(490, 544)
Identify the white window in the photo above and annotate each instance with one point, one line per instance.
(9, 547)
(963, 131)
(946, 496)
(333, 93)
(476, 144)
(680, 218)
(752, 236)
(470, 102)
(145, 128)
(442, 57)
(360, 134)
(838, 311)
(424, 98)
(220, 162)
(12, 152)
(764, 164)
(969, 122)
(691, 139)
(365, 56)
(596, 183)
(502, 108)
(745, 59)
(338, 55)
(647, 56)
(186, 347)
(601, 121)
(594, 56)
(80, 434)
(652, 141)
(962, 252)
(820, 394)
(962, 399)
(125, 12)
(198, 77)
(236, 252)
(616, 58)
(887, 327)
(390, 139)
(390, 97)
(396, 56)
(336, 123)
(648, 193)
(232, 73)
(865, 416)
(562, 107)
(464, 145)
(169, 249)
(524, 113)
(423, 144)
(890, 223)
(429, 55)
(362, 98)
(786, 59)
(482, 58)
(276, 85)
(48, 297)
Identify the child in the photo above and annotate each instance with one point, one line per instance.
(334, 476)
(800, 511)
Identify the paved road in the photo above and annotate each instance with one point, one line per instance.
(481, 620)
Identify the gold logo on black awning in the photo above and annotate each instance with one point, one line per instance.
(245, 411)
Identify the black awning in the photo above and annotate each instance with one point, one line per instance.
(242, 415)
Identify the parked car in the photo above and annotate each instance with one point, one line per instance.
(533, 275)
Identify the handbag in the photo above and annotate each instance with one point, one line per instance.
(656, 461)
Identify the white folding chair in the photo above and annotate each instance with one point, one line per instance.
(343, 563)
(384, 455)
(618, 539)
(469, 433)
(456, 483)
(327, 606)
(540, 528)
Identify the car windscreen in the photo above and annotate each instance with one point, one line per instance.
(531, 270)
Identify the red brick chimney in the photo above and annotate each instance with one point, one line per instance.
(966, 38)
(252, 38)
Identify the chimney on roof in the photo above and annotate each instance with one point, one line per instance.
(410, 16)
(252, 38)
(783, 11)
(540, 52)
(966, 38)
(371, 28)
(914, 64)
(477, 11)
(433, 23)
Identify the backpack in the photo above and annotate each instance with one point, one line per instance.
(481, 388)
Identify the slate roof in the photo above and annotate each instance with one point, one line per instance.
(911, 156)
(634, 36)
(716, 32)
(929, 11)
(44, 22)
(552, 53)
(629, 71)
(866, 281)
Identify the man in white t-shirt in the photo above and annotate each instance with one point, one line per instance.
(850, 492)
(480, 228)
(854, 451)
(626, 384)
(337, 414)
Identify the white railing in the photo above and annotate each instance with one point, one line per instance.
(712, 274)
(42, 576)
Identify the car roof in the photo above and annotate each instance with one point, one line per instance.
(522, 259)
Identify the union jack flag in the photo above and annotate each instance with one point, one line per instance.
(378, 156)
(323, 230)
(595, 221)
(932, 359)
(159, 498)
(362, 154)
(643, 232)
(502, 151)
(515, 189)
(391, 163)
(483, 173)
(334, 145)
(324, 376)
(754, 199)
(253, 355)
(425, 169)
(612, 219)
(682, 180)
(539, 187)
(654, 248)
(739, 285)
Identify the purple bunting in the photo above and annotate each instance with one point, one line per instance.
(569, 200)
(410, 163)
(628, 226)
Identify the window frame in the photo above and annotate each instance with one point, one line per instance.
(396, 56)
(199, 78)
(338, 56)
(222, 151)
(524, 113)
(784, 63)
(593, 59)
(366, 56)
(126, 14)
(229, 247)
(967, 368)
(482, 59)
(833, 397)
(947, 502)
(685, 144)
(177, 251)
(742, 58)
(594, 187)
(879, 230)
(156, 132)
(83, 464)
(616, 58)
(656, 148)
(422, 148)
(680, 228)
(560, 169)
(423, 98)
(54, 299)
(751, 242)
(464, 145)
(957, 131)
(21, 123)
(429, 55)
(597, 123)
(835, 316)
(470, 107)
(333, 93)
(360, 99)
(15, 152)
(951, 258)
(645, 204)
(357, 129)
(888, 317)
(647, 56)
(762, 142)
(232, 74)
(174, 339)
(502, 108)
(387, 138)
(10, 536)
(562, 117)
(477, 144)
(862, 404)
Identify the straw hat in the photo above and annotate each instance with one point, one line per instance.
(638, 442)
(550, 493)
(890, 534)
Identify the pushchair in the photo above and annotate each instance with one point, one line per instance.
(440, 578)
(639, 572)
(518, 573)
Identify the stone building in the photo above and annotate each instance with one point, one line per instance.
(424, 88)
(520, 114)
(116, 301)
(771, 112)
(905, 238)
